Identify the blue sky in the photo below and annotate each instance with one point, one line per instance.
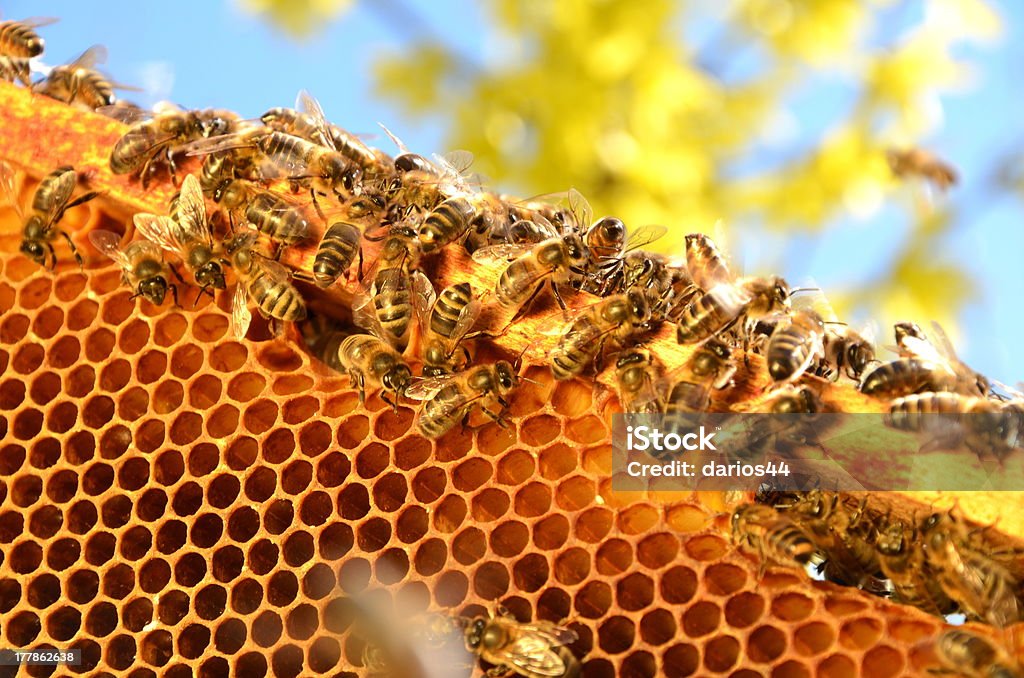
(216, 54)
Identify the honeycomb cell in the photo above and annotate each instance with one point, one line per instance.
(120, 652)
(43, 591)
(245, 386)
(26, 491)
(515, 467)
(551, 533)
(576, 493)
(744, 609)
(471, 474)
(721, 654)
(12, 393)
(616, 634)
(10, 594)
(539, 430)
(27, 424)
(335, 541)
(452, 587)
(46, 452)
(450, 513)
(657, 627)
(185, 361)
(640, 518)
(156, 648)
(813, 638)
(657, 550)
(13, 328)
(228, 562)
(82, 586)
(154, 575)
(44, 389)
(319, 581)
(883, 661)
(634, 592)
(430, 557)
(837, 666)
(246, 596)
(766, 644)
(530, 573)
(701, 619)
(841, 606)
(572, 398)
(101, 620)
(678, 585)
(532, 500)
(469, 546)
(593, 600)
(114, 441)
(860, 633)
(134, 336)
(489, 505)
(554, 605)
(29, 357)
(228, 357)
(391, 425)
(169, 329)
(614, 556)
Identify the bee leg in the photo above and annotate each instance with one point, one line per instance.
(174, 293)
(172, 168)
(558, 296)
(498, 418)
(389, 401)
(74, 250)
(53, 258)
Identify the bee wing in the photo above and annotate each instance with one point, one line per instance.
(39, 21)
(425, 389)
(705, 263)
(275, 270)
(423, 298)
(364, 315)
(223, 142)
(163, 231)
(532, 650)
(643, 236)
(402, 149)
(467, 318)
(192, 208)
(10, 192)
(307, 103)
(502, 253)
(97, 54)
(127, 115)
(109, 244)
(240, 314)
(580, 208)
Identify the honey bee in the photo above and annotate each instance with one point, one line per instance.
(639, 375)
(902, 561)
(79, 84)
(454, 218)
(970, 654)
(615, 318)
(338, 249)
(792, 399)
(51, 200)
(142, 264)
(532, 650)
(968, 572)
(906, 376)
(307, 121)
(149, 141)
(450, 398)
(19, 38)
(723, 300)
(187, 234)
(444, 325)
(267, 211)
(938, 350)
(262, 280)
(304, 163)
(795, 345)
(847, 350)
(15, 69)
(387, 308)
(687, 397)
(713, 363)
(425, 184)
(772, 536)
(916, 162)
(553, 260)
(368, 361)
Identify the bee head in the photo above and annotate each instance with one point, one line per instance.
(211, 274)
(153, 289)
(505, 376)
(215, 123)
(639, 309)
(411, 162)
(34, 250)
(475, 633)
(397, 379)
(634, 356)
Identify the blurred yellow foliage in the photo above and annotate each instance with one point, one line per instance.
(298, 17)
(685, 113)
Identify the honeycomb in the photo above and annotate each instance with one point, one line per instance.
(177, 503)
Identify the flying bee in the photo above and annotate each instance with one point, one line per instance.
(532, 650)
(615, 318)
(553, 260)
(969, 573)
(973, 655)
(79, 84)
(19, 38)
(386, 309)
(916, 162)
(51, 201)
(639, 375)
(142, 265)
(444, 325)
(187, 234)
(772, 536)
(338, 249)
(450, 398)
(15, 69)
(267, 211)
(912, 343)
(150, 141)
(795, 345)
(264, 281)
(304, 163)
(902, 561)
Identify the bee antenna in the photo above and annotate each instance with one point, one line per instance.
(531, 381)
(797, 290)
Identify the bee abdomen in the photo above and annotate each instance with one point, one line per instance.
(449, 306)
(277, 218)
(507, 291)
(20, 40)
(448, 222)
(787, 351)
(277, 299)
(337, 250)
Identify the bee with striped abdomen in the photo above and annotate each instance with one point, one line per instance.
(449, 399)
(142, 264)
(19, 38)
(444, 323)
(262, 280)
(615, 318)
(772, 536)
(532, 650)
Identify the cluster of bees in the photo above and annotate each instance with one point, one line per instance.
(938, 564)
(410, 208)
